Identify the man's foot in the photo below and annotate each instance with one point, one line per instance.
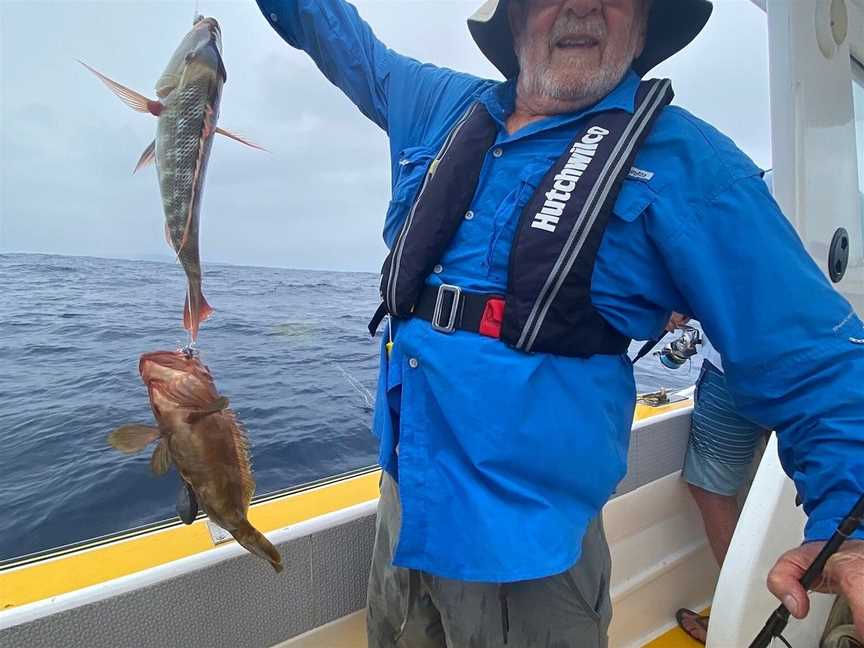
(695, 625)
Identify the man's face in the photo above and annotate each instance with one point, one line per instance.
(576, 50)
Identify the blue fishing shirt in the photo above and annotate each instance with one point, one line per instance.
(504, 457)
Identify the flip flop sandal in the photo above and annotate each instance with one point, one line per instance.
(690, 615)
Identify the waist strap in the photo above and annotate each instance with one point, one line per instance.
(449, 308)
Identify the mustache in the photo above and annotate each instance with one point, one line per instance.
(569, 25)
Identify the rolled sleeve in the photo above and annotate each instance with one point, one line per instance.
(791, 345)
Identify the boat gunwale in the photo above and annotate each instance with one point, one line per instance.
(161, 525)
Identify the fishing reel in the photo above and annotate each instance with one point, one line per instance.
(679, 351)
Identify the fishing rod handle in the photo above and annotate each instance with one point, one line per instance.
(846, 528)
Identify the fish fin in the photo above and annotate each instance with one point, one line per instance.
(187, 503)
(147, 157)
(253, 540)
(241, 444)
(161, 459)
(238, 138)
(132, 438)
(204, 311)
(222, 70)
(216, 406)
(131, 98)
(171, 245)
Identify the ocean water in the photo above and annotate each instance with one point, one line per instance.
(288, 347)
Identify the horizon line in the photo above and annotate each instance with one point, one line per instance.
(155, 258)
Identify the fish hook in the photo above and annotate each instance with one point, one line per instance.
(190, 350)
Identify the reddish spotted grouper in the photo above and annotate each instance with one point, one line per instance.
(187, 108)
(202, 437)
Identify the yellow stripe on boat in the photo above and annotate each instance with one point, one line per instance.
(54, 576)
(73, 570)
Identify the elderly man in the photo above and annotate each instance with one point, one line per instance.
(536, 226)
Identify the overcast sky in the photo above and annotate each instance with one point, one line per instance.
(317, 199)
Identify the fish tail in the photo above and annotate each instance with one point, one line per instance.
(195, 310)
(254, 541)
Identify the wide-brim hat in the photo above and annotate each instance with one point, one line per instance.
(672, 25)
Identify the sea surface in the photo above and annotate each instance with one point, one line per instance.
(288, 347)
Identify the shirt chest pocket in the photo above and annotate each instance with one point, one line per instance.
(408, 177)
(507, 215)
(633, 199)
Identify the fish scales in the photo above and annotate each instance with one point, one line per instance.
(184, 137)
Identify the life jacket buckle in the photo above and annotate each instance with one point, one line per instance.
(452, 314)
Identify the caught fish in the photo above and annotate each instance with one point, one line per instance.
(202, 437)
(187, 109)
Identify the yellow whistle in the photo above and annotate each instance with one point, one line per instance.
(389, 347)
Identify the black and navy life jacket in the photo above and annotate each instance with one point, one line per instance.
(547, 306)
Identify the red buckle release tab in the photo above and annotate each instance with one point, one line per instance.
(493, 318)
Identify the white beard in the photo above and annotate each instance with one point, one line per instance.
(586, 91)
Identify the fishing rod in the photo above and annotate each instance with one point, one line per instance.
(646, 348)
(777, 621)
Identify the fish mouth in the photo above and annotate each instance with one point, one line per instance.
(208, 50)
(212, 27)
(153, 365)
(208, 23)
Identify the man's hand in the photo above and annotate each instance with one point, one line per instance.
(677, 320)
(844, 573)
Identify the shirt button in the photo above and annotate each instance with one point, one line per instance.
(438, 269)
(413, 363)
(274, 17)
(498, 152)
(469, 215)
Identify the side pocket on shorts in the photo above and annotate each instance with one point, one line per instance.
(583, 598)
(589, 578)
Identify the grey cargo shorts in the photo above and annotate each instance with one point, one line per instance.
(413, 609)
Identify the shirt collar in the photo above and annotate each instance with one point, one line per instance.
(500, 101)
